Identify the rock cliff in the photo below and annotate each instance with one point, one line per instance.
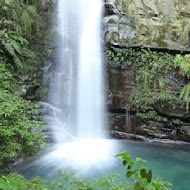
(149, 23)
(162, 26)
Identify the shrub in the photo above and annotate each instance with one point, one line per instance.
(20, 134)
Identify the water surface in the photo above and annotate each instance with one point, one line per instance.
(169, 161)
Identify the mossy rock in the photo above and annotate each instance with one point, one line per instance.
(154, 24)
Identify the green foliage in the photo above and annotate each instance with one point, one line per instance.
(144, 99)
(18, 17)
(185, 95)
(12, 47)
(5, 78)
(18, 22)
(20, 135)
(67, 180)
(41, 93)
(183, 63)
(143, 178)
(18, 182)
(150, 70)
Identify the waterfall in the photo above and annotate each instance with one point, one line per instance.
(90, 89)
(76, 111)
(76, 94)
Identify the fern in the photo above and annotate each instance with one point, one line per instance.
(162, 82)
(183, 62)
(19, 16)
(17, 25)
(10, 49)
(26, 23)
(20, 39)
(17, 62)
(16, 46)
(32, 11)
(185, 95)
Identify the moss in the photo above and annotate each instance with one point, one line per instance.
(151, 69)
(157, 24)
(160, 41)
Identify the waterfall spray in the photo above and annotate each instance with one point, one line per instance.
(77, 93)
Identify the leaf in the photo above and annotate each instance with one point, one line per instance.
(137, 186)
(22, 40)
(140, 160)
(116, 59)
(8, 2)
(149, 176)
(5, 8)
(124, 162)
(129, 167)
(12, 184)
(131, 173)
(16, 46)
(143, 173)
(144, 180)
(10, 49)
(162, 82)
(17, 62)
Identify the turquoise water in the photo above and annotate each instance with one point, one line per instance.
(169, 161)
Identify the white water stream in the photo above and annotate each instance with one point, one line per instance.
(90, 94)
(77, 92)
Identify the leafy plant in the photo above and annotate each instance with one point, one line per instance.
(20, 135)
(185, 95)
(20, 130)
(183, 62)
(143, 178)
(22, 17)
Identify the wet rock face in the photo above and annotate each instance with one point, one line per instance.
(121, 83)
(153, 24)
(122, 117)
(149, 23)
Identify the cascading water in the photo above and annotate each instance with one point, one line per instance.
(77, 93)
(61, 93)
(90, 96)
(77, 85)
(76, 106)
